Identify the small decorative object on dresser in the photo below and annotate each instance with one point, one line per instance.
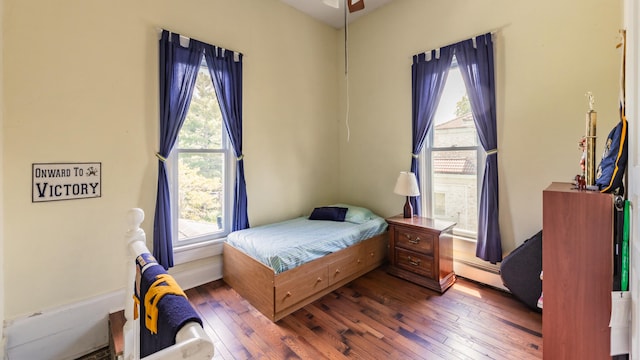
(421, 251)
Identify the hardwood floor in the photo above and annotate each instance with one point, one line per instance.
(377, 316)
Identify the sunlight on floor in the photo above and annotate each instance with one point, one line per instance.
(468, 291)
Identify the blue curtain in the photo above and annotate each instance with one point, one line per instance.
(226, 73)
(427, 81)
(178, 71)
(476, 66)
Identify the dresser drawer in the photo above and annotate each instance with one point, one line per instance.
(415, 241)
(415, 262)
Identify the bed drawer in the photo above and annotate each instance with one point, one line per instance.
(348, 265)
(375, 250)
(414, 262)
(299, 288)
(414, 240)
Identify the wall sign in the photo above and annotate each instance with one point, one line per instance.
(66, 181)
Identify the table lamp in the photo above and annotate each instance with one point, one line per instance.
(407, 185)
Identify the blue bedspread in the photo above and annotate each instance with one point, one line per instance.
(285, 245)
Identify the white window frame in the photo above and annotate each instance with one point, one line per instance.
(209, 244)
(426, 180)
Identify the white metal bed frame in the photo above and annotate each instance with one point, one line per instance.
(192, 342)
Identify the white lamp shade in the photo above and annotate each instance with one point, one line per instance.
(407, 184)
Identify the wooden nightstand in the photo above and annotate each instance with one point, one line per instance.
(421, 251)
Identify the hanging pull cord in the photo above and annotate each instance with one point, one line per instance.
(346, 68)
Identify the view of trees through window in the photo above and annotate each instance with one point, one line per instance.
(201, 164)
(454, 159)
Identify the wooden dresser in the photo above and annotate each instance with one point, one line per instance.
(577, 260)
(421, 251)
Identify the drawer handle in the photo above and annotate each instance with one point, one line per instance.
(288, 294)
(319, 279)
(414, 262)
(359, 261)
(415, 241)
(337, 271)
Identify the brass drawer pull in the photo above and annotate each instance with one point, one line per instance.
(412, 241)
(413, 261)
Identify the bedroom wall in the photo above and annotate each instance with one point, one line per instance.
(549, 53)
(81, 86)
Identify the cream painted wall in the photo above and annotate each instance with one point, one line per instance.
(549, 53)
(81, 85)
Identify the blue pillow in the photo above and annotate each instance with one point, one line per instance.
(333, 213)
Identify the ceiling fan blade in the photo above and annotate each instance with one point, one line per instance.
(333, 3)
(355, 5)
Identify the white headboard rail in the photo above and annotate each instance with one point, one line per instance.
(192, 342)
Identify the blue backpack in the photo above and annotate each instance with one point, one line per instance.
(610, 172)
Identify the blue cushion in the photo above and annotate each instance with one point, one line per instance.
(333, 213)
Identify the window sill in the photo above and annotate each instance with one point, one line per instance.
(193, 252)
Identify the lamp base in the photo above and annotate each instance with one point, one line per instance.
(408, 209)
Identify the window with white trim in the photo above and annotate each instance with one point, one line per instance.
(201, 171)
(452, 160)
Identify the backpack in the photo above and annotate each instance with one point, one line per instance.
(610, 172)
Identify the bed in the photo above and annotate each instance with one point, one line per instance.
(190, 340)
(281, 267)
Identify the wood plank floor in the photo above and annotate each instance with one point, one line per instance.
(377, 316)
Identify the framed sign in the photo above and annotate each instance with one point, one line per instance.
(65, 181)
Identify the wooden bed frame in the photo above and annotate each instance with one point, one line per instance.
(278, 295)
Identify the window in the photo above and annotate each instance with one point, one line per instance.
(200, 171)
(450, 160)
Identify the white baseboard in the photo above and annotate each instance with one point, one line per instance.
(68, 332)
(190, 277)
(62, 333)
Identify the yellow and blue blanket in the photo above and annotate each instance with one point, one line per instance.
(164, 307)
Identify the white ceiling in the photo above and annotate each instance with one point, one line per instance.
(329, 15)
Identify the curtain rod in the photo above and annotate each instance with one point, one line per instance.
(159, 31)
(492, 32)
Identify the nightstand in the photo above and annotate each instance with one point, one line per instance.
(421, 251)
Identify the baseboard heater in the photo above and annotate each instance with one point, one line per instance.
(490, 269)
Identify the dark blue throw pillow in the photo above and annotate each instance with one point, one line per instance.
(332, 213)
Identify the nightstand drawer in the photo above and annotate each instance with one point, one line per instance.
(414, 262)
(415, 241)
